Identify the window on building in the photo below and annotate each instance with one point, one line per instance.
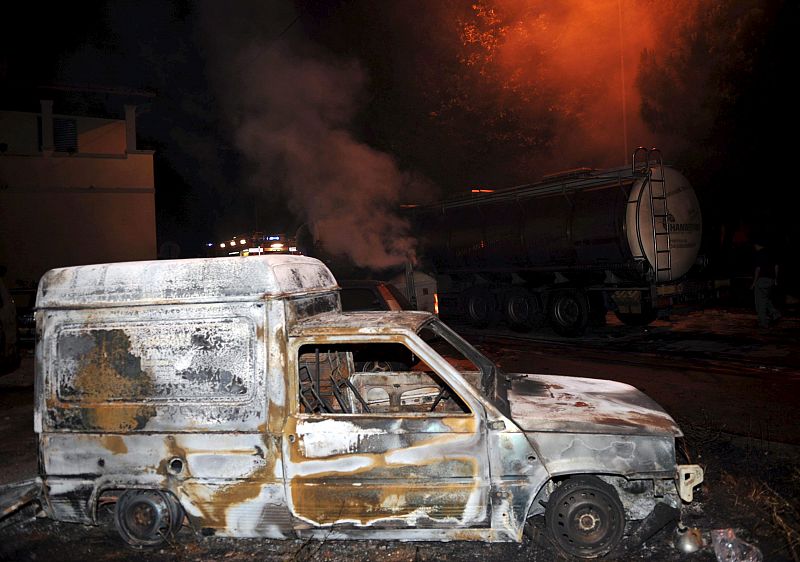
(65, 134)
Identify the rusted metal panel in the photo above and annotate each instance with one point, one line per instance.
(517, 474)
(180, 368)
(581, 405)
(361, 323)
(123, 458)
(246, 508)
(15, 495)
(387, 471)
(224, 481)
(629, 455)
(70, 499)
(300, 308)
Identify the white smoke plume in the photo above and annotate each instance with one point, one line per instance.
(291, 109)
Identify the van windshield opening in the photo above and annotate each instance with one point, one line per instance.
(491, 381)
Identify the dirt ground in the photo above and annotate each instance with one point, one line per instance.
(732, 389)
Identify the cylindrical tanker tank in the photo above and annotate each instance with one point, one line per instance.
(585, 229)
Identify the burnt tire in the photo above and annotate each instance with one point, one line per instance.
(147, 518)
(584, 517)
(568, 312)
(480, 306)
(521, 310)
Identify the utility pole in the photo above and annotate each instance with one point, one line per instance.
(622, 85)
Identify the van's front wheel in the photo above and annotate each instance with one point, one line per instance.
(584, 517)
(147, 518)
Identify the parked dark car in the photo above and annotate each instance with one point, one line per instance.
(372, 295)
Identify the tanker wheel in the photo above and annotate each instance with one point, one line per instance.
(480, 307)
(643, 318)
(147, 518)
(584, 517)
(522, 310)
(569, 312)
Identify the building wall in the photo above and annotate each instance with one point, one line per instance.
(101, 136)
(57, 209)
(19, 131)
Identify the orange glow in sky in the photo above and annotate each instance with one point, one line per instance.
(580, 56)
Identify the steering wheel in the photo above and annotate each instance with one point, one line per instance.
(376, 367)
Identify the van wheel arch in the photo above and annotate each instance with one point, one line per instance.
(584, 516)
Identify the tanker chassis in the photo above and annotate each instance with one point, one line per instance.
(567, 249)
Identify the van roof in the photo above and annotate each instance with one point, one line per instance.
(183, 281)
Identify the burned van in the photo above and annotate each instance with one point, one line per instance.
(232, 395)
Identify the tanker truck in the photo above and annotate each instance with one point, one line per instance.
(566, 249)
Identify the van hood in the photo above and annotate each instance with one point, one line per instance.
(581, 405)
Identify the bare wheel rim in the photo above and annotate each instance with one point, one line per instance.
(145, 518)
(585, 518)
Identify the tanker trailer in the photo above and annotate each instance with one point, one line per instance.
(565, 249)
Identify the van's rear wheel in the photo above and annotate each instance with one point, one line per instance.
(147, 518)
(584, 517)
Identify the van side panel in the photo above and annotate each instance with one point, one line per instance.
(229, 482)
(168, 397)
(186, 368)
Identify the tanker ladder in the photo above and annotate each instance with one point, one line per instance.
(656, 185)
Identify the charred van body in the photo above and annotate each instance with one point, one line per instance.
(223, 394)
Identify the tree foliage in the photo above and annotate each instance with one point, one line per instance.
(715, 82)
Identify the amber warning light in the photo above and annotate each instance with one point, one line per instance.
(482, 191)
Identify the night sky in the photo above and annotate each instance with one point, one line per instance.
(270, 114)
